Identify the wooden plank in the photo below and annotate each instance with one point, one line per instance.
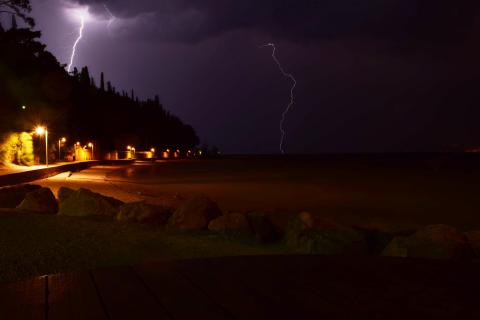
(73, 296)
(23, 300)
(124, 296)
(182, 300)
(224, 284)
(289, 285)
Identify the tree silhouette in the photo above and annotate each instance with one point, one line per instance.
(72, 105)
(14, 23)
(102, 82)
(18, 8)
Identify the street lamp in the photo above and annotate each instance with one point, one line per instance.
(91, 146)
(43, 131)
(60, 141)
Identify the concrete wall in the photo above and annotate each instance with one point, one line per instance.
(33, 175)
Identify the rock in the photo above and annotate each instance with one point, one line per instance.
(379, 235)
(316, 235)
(393, 229)
(40, 201)
(142, 212)
(330, 242)
(11, 197)
(83, 203)
(397, 247)
(262, 227)
(434, 242)
(64, 193)
(473, 238)
(229, 222)
(195, 214)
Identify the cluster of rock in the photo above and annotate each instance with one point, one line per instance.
(311, 234)
(304, 233)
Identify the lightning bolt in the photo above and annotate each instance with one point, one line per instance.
(292, 95)
(112, 17)
(74, 49)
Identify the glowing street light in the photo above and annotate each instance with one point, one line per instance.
(152, 150)
(40, 131)
(60, 141)
(43, 131)
(91, 146)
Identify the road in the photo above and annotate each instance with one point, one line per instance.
(354, 190)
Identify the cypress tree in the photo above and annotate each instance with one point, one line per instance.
(14, 22)
(102, 82)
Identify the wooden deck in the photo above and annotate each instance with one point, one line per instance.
(274, 287)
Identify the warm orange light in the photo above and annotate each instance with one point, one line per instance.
(168, 150)
(129, 148)
(40, 131)
(78, 143)
(64, 140)
(153, 150)
(90, 144)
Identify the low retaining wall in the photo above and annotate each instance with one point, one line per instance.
(33, 175)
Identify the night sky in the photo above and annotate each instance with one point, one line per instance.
(373, 75)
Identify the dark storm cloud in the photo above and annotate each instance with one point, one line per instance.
(307, 20)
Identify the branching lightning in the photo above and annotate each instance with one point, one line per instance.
(112, 17)
(74, 49)
(292, 95)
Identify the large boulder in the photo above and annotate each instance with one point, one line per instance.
(11, 197)
(40, 201)
(434, 242)
(64, 193)
(142, 212)
(262, 227)
(235, 222)
(379, 235)
(195, 214)
(83, 203)
(474, 240)
(317, 235)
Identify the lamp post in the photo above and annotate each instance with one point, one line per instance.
(93, 154)
(60, 141)
(43, 131)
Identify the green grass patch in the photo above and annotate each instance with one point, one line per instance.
(34, 245)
